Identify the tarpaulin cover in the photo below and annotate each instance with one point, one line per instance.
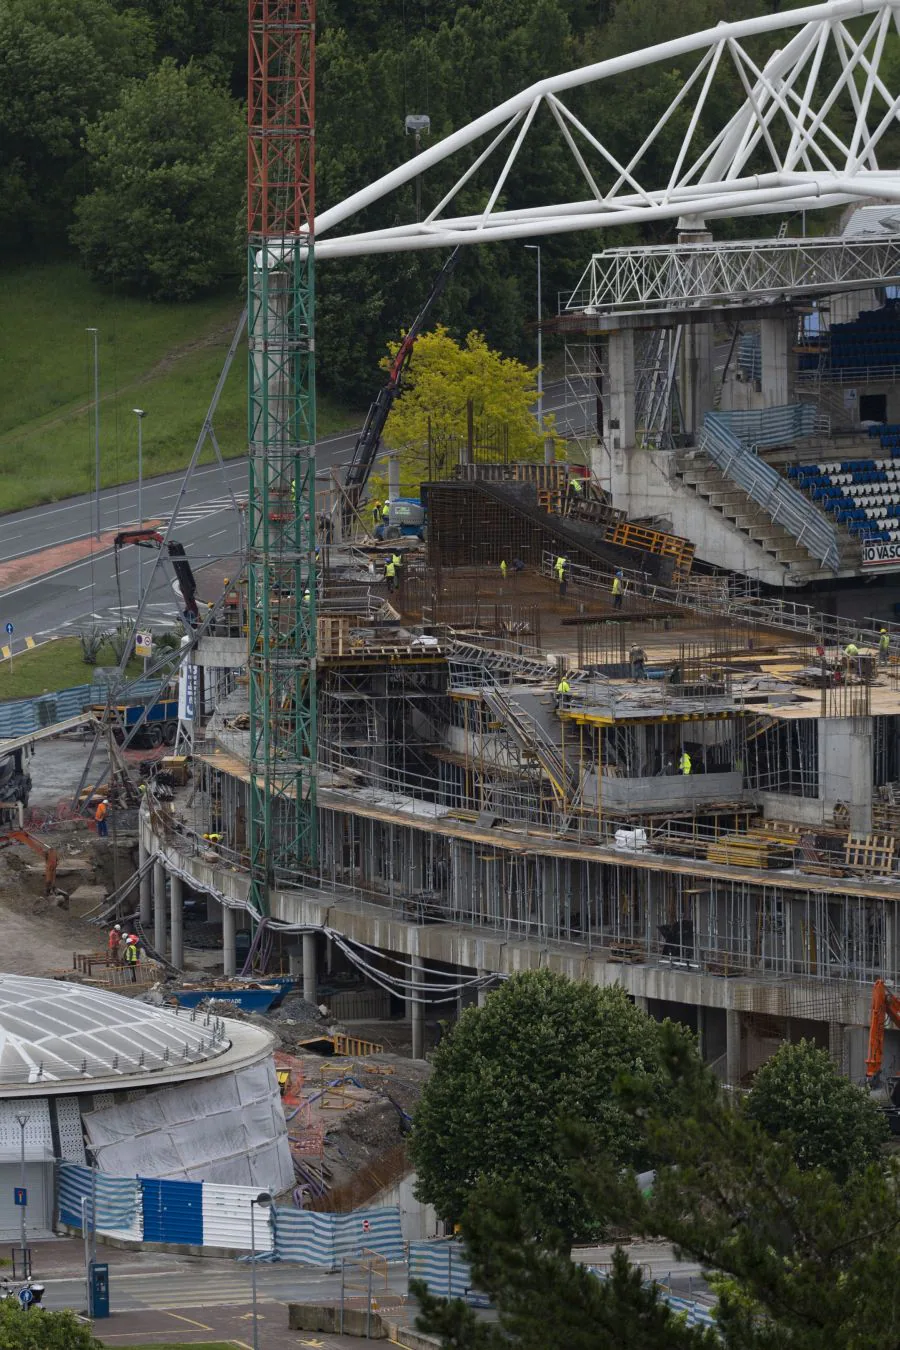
(323, 1239)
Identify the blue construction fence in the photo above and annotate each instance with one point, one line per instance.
(205, 1214)
(20, 716)
(443, 1267)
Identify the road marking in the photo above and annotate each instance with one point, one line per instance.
(190, 1321)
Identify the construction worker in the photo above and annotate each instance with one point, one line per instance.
(113, 945)
(100, 817)
(130, 955)
(376, 511)
(397, 560)
(559, 568)
(684, 764)
(617, 590)
(851, 656)
(390, 573)
(562, 689)
(638, 661)
(884, 647)
(385, 512)
(213, 838)
(503, 569)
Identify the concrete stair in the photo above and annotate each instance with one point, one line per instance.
(697, 472)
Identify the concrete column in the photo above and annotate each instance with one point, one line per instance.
(176, 887)
(701, 1031)
(229, 955)
(212, 909)
(482, 993)
(776, 340)
(145, 903)
(640, 1001)
(159, 908)
(837, 1046)
(309, 968)
(417, 1011)
(619, 402)
(696, 374)
(732, 1047)
(846, 768)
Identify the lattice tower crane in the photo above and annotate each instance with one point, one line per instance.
(281, 433)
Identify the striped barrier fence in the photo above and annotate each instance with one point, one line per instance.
(325, 1239)
(695, 1313)
(442, 1266)
(117, 1201)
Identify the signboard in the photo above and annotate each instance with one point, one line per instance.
(21, 1196)
(9, 630)
(187, 691)
(143, 644)
(882, 554)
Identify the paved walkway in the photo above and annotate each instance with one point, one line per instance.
(233, 1325)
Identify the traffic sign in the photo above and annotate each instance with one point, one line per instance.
(143, 644)
(21, 1194)
(9, 630)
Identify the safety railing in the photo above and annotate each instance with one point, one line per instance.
(723, 441)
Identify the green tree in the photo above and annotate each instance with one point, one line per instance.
(443, 377)
(541, 1050)
(39, 1329)
(801, 1259)
(799, 1097)
(63, 62)
(168, 164)
(545, 1300)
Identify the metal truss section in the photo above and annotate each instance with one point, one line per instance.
(802, 128)
(281, 429)
(662, 279)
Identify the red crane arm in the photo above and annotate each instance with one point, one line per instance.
(884, 1004)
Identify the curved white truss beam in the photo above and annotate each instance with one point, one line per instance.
(778, 151)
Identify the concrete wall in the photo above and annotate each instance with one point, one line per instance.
(643, 483)
(418, 1221)
(675, 791)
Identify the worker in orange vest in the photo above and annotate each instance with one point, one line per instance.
(100, 817)
(114, 945)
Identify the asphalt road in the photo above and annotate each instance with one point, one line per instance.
(84, 593)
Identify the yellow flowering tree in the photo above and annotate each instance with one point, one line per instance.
(429, 422)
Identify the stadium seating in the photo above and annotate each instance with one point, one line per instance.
(861, 494)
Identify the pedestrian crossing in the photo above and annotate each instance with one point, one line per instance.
(191, 513)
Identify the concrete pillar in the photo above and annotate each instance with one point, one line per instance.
(732, 1047)
(619, 402)
(159, 908)
(837, 1046)
(417, 1011)
(145, 903)
(176, 888)
(846, 769)
(640, 1001)
(482, 993)
(212, 909)
(309, 968)
(229, 955)
(776, 341)
(701, 1031)
(696, 375)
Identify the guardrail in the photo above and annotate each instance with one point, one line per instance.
(735, 456)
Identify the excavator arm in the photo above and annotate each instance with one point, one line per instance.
(884, 1005)
(49, 855)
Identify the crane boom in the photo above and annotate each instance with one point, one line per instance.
(149, 538)
(369, 438)
(884, 1004)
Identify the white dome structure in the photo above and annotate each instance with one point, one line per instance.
(52, 1032)
(137, 1090)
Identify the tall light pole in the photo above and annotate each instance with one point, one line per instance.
(540, 351)
(96, 336)
(419, 124)
(140, 415)
(264, 1199)
(23, 1121)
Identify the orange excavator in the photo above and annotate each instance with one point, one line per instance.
(885, 1004)
(48, 854)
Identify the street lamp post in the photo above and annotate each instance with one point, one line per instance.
(23, 1121)
(95, 332)
(540, 351)
(140, 415)
(264, 1199)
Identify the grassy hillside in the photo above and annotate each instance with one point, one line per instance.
(162, 358)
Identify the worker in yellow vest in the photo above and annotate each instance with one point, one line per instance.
(562, 689)
(884, 647)
(684, 764)
(617, 591)
(390, 574)
(559, 568)
(503, 569)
